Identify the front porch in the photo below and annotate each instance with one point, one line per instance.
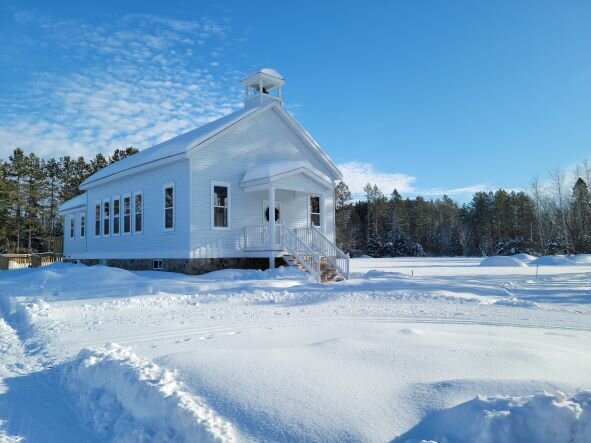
(296, 232)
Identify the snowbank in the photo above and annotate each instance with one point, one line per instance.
(552, 260)
(503, 261)
(68, 281)
(128, 399)
(524, 257)
(541, 418)
(581, 259)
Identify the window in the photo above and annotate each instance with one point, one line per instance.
(127, 214)
(169, 207)
(220, 205)
(72, 225)
(138, 210)
(82, 225)
(315, 211)
(97, 219)
(116, 215)
(158, 265)
(106, 217)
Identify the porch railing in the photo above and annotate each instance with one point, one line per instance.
(308, 245)
(258, 236)
(309, 258)
(314, 238)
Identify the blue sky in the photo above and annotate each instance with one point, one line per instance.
(426, 96)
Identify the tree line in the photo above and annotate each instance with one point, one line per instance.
(550, 218)
(31, 191)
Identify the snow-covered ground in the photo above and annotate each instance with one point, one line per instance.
(399, 353)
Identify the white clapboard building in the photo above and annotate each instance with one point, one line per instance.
(200, 201)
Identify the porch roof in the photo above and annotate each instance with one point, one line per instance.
(275, 173)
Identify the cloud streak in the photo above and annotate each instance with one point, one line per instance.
(141, 80)
(358, 174)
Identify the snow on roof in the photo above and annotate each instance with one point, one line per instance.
(273, 169)
(173, 147)
(267, 71)
(272, 72)
(76, 202)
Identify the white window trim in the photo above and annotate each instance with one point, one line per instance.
(116, 197)
(164, 187)
(266, 205)
(83, 216)
(320, 202)
(211, 207)
(133, 212)
(71, 228)
(131, 218)
(100, 204)
(106, 200)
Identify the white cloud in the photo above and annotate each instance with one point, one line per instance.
(357, 174)
(135, 85)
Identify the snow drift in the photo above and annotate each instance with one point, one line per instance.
(541, 418)
(525, 257)
(503, 261)
(581, 259)
(552, 260)
(128, 399)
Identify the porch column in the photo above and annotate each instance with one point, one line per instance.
(322, 203)
(271, 227)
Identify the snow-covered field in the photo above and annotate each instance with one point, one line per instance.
(400, 352)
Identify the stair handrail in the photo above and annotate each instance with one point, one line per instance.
(318, 240)
(294, 245)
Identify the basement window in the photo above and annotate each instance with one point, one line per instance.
(158, 265)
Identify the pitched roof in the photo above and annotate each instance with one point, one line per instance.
(173, 147)
(77, 202)
(177, 146)
(270, 172)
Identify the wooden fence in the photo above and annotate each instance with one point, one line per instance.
(18, 261)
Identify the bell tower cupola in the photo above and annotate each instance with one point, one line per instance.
(262, 86)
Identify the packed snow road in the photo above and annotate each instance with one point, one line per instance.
(102, 354)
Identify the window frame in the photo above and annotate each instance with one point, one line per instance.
(72, 227)
(100, 218)
(106, 200)
(164, 208)
(82, 225)
(134, 230)
(310, 213)
(123, 197)
(228, 206)
(158, 264)
(113, 200)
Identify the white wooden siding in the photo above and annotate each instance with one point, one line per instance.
(76, 245)
(154, 241)
(262, 139)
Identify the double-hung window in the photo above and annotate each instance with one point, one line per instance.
(72, 225)
(116, 215)
(126, 214)
(220, 199)
(82, 225)
(315, 211)
(97, 219)
(138, 212)
(169, 207)
(106, 217)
